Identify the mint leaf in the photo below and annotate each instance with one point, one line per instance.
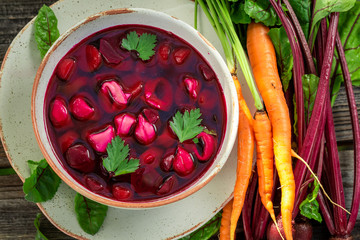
(207, 230)
(310, 207)
(117, 160)
(187, 126)
(284, 56)
(39, 235)
(144, 44)
(349, 35)
(90, 215)
(42, 183)
(324, 7)
(46, 30)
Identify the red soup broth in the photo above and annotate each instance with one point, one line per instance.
(100, 90)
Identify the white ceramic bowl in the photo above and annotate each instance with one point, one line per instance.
(152, 18)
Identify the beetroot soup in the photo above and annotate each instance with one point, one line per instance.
(135, 113)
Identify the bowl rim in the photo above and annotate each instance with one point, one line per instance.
(187, 191)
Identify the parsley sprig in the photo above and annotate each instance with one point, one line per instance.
(187, 126)
(144, 44)
(117, 160)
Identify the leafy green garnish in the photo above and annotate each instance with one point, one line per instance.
(42, 183)
(324, 7)
(39, 235)
(349, 34)
(284, 56)
(117, 160)
(238, 15)
(207, 230)
(144, 44)
(7, 171)
(262, 11)
(46, 30)
(90, 215)
(187, 126)
(302, 11)
(310, 207)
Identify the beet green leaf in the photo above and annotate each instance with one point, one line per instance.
(262, 11)
(42, 183)
(90, 215)
(46, 30)
(39, 235)
(310, 207)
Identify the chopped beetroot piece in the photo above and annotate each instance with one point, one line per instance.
(109, 52)
(59, 114)
(80, 158)
(136, 90)
(144, 131)
(208, 143)
(151, 115)
(159, 94)
(67, 139)
(115, 93)
(166, 186)
(93, 57)
(124, 123)
(151, 156)
(99, 140)
(207, 73)
(80, 108)
(146, 180)
(164, 51)
(181, 54)
(192, 86)
(183, 163)
(121, 191)
(167, 162)
(95, 183)
(65, 68)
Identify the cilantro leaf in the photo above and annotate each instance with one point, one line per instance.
(42, 183)
(117, 160)
(186, 126)
(144, 44)
(310, 207)
(46, 30)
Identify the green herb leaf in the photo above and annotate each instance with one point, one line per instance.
(284, 56)
(90, 215)
(7, 171)
(324, 7)
(117, 160)
(187, 126)
(39, 235)
(46, 30)
(310, 85)
(310, 207)
(207, 230)
(42, 183)
(262, 11)
(349, 34)
(302, 10)
(238, 15)
(144, 44)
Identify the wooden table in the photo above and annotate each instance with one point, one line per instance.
(17, 215)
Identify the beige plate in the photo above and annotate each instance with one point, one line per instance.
(17, 74)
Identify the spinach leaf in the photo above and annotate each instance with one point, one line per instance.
(261, 11)
(324, 7)
(42, 183)
(46, 30)
(284, 56)
(302, 10)
(39, 235)
(238, 16)
(349, 34)
(310, 85)
(90, 215)
(206, 231)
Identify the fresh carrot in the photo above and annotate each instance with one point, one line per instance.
(245, 149)
(263, 62)
(225, 221)
(264, 159)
